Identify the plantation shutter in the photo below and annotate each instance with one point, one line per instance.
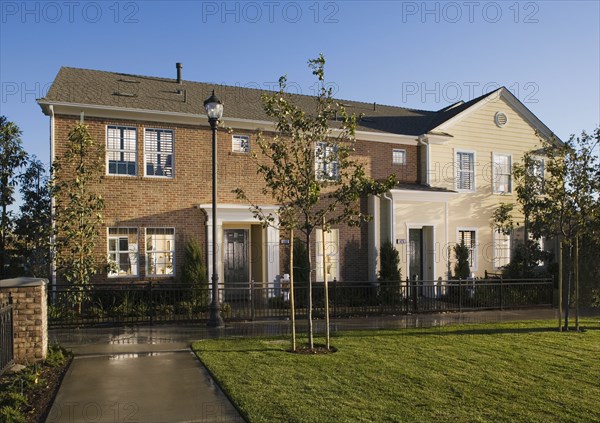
(465, 171)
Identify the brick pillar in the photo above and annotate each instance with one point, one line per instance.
(30, 317)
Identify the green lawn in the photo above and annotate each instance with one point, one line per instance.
(511, 372)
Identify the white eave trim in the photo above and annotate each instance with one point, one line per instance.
(435, 139)
(127, 113)
(386, 137)
(403, 195)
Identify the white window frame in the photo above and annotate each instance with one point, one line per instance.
(496, 174)
(121, 150)
(541, 241)
(170, 251)
(323, 165)
(237, 141)
(501, 260)
(474, 249)
(134, 253)
(332, 252)
(401, 151)
(146, 153)
(458, 172)
(539, 167)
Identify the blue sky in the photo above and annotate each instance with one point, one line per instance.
(422, 55)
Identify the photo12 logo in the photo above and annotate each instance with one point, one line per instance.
(28, 12)
(270, 12)
(470, 11)
(451, 92)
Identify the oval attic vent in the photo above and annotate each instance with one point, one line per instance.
(501, 119)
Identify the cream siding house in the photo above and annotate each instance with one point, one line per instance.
(466, 173)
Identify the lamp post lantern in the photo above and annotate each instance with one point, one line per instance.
(214, 111)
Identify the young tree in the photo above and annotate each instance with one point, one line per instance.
(194, 273)
(12, 158)
(33, 227)
(570, 202)
(559, 197)
(390, 272)
(78, 211)
(309, 170)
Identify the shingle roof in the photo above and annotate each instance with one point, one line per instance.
(111, 89)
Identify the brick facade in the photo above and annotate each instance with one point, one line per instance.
(142, 202)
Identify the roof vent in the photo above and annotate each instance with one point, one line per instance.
(179, 66)
(501, 119)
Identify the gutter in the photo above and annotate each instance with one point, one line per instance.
(391, 212)
(52, 200)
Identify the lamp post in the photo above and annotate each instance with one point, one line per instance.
(214, 111)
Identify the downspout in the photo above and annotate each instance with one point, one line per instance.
(391, 216)
(425, 176)
(52, 201)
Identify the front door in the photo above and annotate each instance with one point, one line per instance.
(415, 239)
(236, 266)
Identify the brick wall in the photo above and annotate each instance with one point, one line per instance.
(143, 202)
(30, 317)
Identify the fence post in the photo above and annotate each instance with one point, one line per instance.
(459, 294)
(252, 299)
(501, 294)
(151, 302)
(414, 294)
(334, 295)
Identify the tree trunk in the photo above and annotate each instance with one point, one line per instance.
(310, 297)
(577, 284)
(560, 284)
(325, 287)
(292, 306)
(3, 241)
(526, 242)
(568, 288)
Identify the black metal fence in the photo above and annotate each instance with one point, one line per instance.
(6, 335)
(155, 302)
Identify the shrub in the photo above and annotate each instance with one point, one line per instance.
(57, 356)
(194, 273)
(10, 414)
(461, 267)
(390, 273)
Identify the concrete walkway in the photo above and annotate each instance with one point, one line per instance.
(148, 374)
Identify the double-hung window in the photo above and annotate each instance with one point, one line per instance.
(331, 252)
(398, 156)
(465, 171)
(502, 179)
(240, 144)
(326, 163)
(158, 146)
(536, 172)
(160, 251)
(123, 251)
(502, 247)
(469, 238)
(121, 150)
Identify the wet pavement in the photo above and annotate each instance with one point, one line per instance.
(149, 374)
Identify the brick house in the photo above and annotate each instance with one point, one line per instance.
(157, 179)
